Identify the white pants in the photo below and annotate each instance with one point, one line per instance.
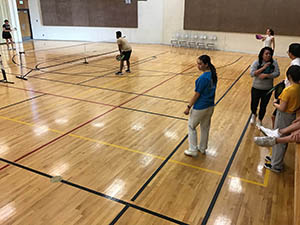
(202, 117)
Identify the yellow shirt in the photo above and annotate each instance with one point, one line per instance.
(125, 46)
(291, 95)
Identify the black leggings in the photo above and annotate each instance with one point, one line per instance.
(256, 96)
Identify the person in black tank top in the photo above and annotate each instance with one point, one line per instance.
(6, 34)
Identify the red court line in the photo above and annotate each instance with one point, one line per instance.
(60, 96)
(97, 117)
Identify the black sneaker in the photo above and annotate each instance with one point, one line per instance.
(128, 71)
(269, 166)
(119, 73)
(268, 158)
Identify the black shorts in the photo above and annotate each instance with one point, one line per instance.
(6, 35)
(127, 55)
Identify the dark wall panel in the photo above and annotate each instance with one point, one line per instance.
(95, 13)
(246, 16)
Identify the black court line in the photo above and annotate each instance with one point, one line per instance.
(153, 113)
(17, 103)
(166, 160)
(109, 89)
(233, 84)
(215, 197)
(132, 64)
(127, 204)
(148, 181)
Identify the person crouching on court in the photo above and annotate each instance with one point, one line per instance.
(125, 50)
(201, 106)
(264, 70)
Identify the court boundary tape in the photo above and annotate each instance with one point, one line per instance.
(83, 188)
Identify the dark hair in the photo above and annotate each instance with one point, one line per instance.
(294, 73)
(260, 55)
(5, 21)
(119, 34)
(271, 31)
(206, 60)
(294, 49)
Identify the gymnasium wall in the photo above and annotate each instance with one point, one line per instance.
(158, 21)
(149, 27)
(174, 11)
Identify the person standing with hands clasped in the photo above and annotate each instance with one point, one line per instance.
(201, 106)
(263, 70)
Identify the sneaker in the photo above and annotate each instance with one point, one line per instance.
(270, 132)
(128, 71)
(253, 119)
(268, 158)
(119, 73)
(203, 151)
(269, 166)
(189, 152)
(265, 141)
(259, 123)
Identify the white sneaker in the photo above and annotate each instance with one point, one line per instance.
(270, 132)
(189, 152)
(203, 151)
(259, 123)
(265, 141)
(253, 119)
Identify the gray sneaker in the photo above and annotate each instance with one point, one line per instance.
(265, 141)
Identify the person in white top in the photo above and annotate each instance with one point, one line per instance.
(125, 50)
(269, 39)
(294, 54)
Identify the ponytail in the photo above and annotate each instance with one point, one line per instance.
(206, 60)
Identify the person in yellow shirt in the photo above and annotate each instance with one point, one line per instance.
(287, 104)
(125, 51)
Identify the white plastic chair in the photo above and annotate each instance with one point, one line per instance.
(212, 42)
(202, 42)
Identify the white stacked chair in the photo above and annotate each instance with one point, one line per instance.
(175, 40)
(212, 42)
(184, 40)
(192, 43)
(202, 41)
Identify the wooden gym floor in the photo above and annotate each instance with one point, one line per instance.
(80, 145)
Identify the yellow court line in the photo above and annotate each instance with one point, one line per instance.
(144, 153)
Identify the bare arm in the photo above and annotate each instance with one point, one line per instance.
(191, 103)
(119, 46)
(282, 106)
(273, 43)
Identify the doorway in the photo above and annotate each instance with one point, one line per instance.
(24, 19)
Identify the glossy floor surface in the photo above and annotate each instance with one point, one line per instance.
(80, 145)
